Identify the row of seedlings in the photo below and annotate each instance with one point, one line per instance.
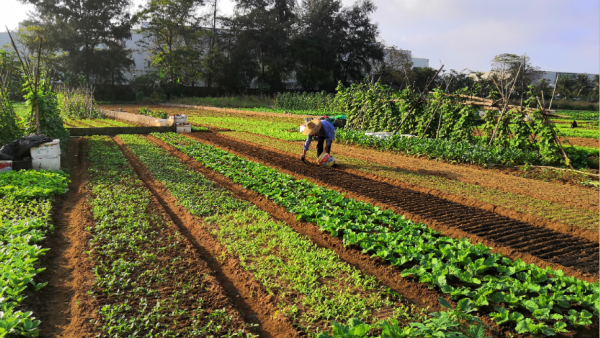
(310, 285)
(25, 220)
(523, 296)
(148, 277)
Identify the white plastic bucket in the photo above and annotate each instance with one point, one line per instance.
(382, 135)
(46, 150)
(5, 166)
(184, 128)
(46, 163)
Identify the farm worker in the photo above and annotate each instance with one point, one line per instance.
(574, 124)
(322, 132)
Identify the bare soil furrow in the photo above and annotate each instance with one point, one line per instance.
(63, 306)
(448, 215)
(253, 301)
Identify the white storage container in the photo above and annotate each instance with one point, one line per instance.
(184, 128)
(163, 122)
(46, 163)
(180, 119)
(5, 166)
(46, 150)
(382, 135)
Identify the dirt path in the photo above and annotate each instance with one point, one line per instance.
(239, 285)
(515, 239)
(66, 308)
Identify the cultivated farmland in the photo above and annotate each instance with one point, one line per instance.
(225, 233)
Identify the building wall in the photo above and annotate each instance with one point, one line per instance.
(419, 62)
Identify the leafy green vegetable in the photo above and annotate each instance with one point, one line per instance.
(28, 184)
(469, 273)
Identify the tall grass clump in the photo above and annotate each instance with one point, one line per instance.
(321, 102)
(77, 102)
(9, 129)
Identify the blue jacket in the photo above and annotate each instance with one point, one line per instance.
(327, 131)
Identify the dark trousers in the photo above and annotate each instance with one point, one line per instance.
(320, 143)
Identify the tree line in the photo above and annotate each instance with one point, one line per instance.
(266, 45)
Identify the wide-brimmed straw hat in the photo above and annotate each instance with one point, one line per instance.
(312, 127)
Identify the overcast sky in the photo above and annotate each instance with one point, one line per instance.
(558, 35)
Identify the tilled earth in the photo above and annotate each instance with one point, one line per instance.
(549, 245)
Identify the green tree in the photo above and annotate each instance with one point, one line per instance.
(359, 45)
(316, 43)
(581, 85)
(265, 28)
(173, 35)
(394, 66)
(83, 33)
(511, 68)
(594, 91)
(564, 87)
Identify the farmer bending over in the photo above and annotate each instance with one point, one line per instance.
(321, 131)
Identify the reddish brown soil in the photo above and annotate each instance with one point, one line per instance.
(562, 190)
(590, 235)
(583, 141)
(238, 284)
(416, 293)
(64, 307)
(498, 178)
(544, 247)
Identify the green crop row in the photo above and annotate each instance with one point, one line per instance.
(524, 296)
(458, 152)
(311, 285)
(146, 274)
(567, 131)
(25, 206)
(275, 129)
(29, 184)
(580, 114)
(161, 114)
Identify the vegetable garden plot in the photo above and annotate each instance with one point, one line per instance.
(275, 129)
(579, 255)
(147, 275)
(310, 284)
(526, 297)
(25, 204)
(474, 185)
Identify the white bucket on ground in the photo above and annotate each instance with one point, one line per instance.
(46, 150)
(46, 163)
